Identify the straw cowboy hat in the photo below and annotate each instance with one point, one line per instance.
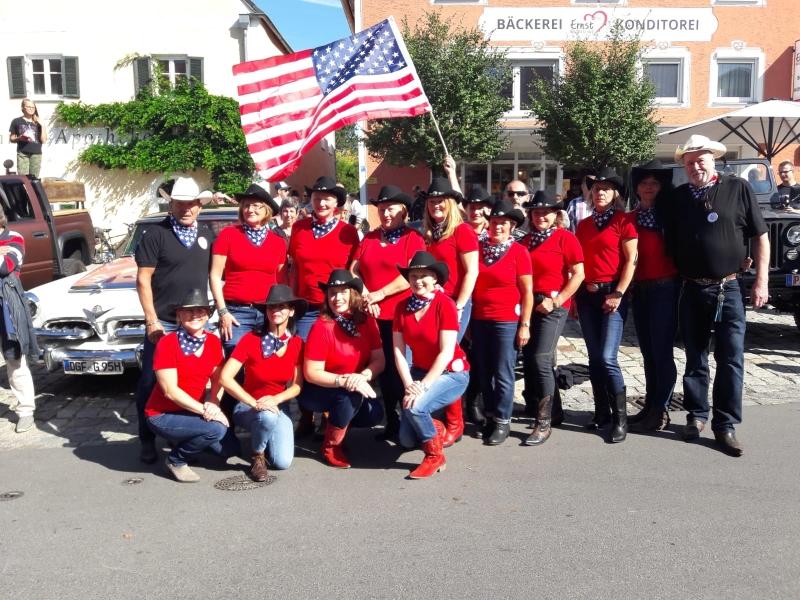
(699, 142)
(186, 189)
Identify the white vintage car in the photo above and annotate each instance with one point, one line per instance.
(92, 322)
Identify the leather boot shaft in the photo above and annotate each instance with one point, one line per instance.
(619, 429)
(332, 450)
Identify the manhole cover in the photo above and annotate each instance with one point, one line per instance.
(132, 481)
(240, 483)
(5, 496)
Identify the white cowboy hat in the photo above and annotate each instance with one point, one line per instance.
(186, 189)
(699, 142)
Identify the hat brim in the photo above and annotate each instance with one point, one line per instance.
(519, 221)
(457, 196)
(300, 306)
(340, 193)
(528, 206)
(439, 269)
(204, 197)
(355, 284)
(269, 202)
(407, 203)
(615, 181)
(664, 176)
(207, 307)
(717, 149)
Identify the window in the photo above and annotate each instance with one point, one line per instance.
(43, 76)
(667, 77)
(173, 70)
(736, 75)
(735, 80)
(526, 73)
(15, 201)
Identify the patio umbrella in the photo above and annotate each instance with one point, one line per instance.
(767, 127)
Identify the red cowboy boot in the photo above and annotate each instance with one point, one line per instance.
(332, 450)
(454, 422)
(434, 457)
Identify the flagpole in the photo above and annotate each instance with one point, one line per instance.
(439, 131)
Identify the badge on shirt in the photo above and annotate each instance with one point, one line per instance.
(712, 217)
(202, 242)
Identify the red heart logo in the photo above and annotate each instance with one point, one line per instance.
(594, 15)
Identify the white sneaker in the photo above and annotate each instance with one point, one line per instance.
(24, 424)
(182, 473)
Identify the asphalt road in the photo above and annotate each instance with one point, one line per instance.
(653, 517)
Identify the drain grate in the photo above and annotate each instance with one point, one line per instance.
(6, 496)
(240, 483)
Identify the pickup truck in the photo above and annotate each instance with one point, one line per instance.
(57, 243)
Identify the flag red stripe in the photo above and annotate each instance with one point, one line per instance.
(266, 63)
(274, 82)
(246, 109)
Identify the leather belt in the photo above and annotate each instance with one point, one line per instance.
(240, 305)
(711, 280)
(599, 286)
(649, 282)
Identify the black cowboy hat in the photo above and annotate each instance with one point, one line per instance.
(505, 208)
(282, 294)
(479, 194)
(608, 175)
(542, 199)
(194, 298)
(654, 168)
(426, 260)
(441, 187)
(392, 193)
(342, 277)
(259, 193)
(328, 184)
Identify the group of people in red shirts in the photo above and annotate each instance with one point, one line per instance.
(327, 316)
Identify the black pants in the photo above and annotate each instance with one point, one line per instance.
(391, 385)
(539, 356)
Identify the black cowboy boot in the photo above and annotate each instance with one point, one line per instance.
(602, 408)
(619, 418)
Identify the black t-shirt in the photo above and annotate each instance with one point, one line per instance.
(793, 191)
(31, 130)
(177, 268)
(712, 249)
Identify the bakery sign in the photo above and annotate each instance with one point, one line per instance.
(561, 24)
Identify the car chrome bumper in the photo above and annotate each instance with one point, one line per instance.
(54, 357)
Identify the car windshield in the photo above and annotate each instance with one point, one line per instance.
(757, 173)
(215, 221)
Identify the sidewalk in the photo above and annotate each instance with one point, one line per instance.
(81, 410)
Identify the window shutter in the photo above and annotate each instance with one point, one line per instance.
(141, 74)
(71, 86)
(16, 76)
(196, 69)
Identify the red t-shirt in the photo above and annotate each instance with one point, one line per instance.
(552, 260)
(603, 249)
(314, 259)
(449, 251)
(341, 352)
(496, 296)
(378, 261)
(194, 372)
(653, 262)
(249, 270)
(423, 336)
(267, 376)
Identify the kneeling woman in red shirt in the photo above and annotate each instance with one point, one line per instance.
(343, 354)
(272, 376)
(427, 322)
(178, 409)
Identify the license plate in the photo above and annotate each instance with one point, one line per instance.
(793, 280)
(93, 367)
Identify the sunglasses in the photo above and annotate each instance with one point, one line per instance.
(517, 194)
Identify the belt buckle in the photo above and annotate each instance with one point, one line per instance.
(592, 287)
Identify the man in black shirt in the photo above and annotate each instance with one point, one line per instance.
(173, 256)
(708, 223)
(788, 190)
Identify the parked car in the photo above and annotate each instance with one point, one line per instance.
(92, 323)
(57, 243)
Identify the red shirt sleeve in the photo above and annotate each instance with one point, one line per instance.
(222, 245)
(165, 356)
(448, 316)
(628, 229)
(466, 239)
(524, 265)
(350, 238)
(319, 341)
(244, 349)
(374, 334)
(573, 253)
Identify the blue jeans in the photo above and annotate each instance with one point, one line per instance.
(697, 307)
(416, 424)
(190, 433)
(539, 355)
(344, 408)
(655, 316)
(304, 323)
(602, 333)
(147, 381)
(495, 355)
(249, 319)
(464, 322)
(270, 432)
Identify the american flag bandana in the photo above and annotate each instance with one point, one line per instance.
(348, 325)
(491, 253)
(322, 229)
(601, 219)
(270, 344)
(186, 235)
(483, 236)
(539, 237)
(256, 236)
(699, 192)
(416, 303)
(646, 217)
(437, 229)
(190, 343)
(393, 235)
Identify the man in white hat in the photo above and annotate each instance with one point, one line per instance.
(173, 256)
(708, 223)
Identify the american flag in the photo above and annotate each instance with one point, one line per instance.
(288, 103)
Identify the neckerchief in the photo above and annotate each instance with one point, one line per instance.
(189, 343)
(539, 237)
(483, 236)
(699, 192)
(271, 343)
(601, 219)
(320, 229)
(348, 325)
(416, 303)
(437, 229)
(256, 236)
(494, 252)
(646, 217)
(393, 235)
(186, 235)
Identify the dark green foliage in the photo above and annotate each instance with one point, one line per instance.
(462, 75)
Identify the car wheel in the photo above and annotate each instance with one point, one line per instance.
(72, 266)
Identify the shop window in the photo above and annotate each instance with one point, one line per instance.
(43, 76)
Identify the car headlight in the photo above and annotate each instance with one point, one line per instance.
(793, 235)
(33, 302)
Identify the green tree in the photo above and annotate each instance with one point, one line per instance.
(180, 128)
(463, 77)
(600, 111)
(347, 139)
(347, 170)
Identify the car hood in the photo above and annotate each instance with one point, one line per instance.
(117, 274)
